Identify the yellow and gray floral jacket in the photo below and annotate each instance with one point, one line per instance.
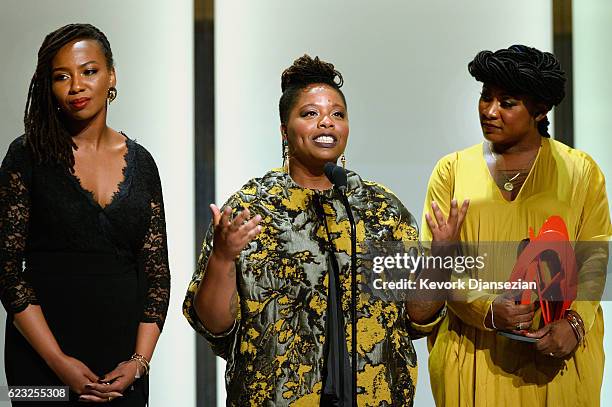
(274, 351)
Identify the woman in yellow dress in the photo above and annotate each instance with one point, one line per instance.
(515, 179)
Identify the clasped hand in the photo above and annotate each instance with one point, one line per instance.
(91, 388)
(508, 315)
(556, 339)
(112, 384)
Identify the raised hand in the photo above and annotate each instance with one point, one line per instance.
(446, 230)
(232, 235)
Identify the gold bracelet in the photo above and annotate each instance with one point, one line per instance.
(580, 323)
(142, 361)
(574, 328)
(577, 325)
(139, 367)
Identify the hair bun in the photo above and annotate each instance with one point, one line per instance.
(306, 70)
(522, 69)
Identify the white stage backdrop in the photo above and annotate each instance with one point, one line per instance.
(409, 95)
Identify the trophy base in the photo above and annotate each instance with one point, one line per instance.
(517, 337)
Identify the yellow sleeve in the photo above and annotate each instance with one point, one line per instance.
(474, 309)
(592, 244)
(420, 330)
(441, 189)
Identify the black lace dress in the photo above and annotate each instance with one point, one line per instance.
(96, 272)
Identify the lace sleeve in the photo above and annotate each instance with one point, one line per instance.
(155, 261)
(16, 294)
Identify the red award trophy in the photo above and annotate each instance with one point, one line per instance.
(549, 261)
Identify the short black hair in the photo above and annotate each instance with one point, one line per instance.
(45, 133)
(306, 71)
(522, 70)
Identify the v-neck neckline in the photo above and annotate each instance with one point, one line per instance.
(519, 196)
(121, 185)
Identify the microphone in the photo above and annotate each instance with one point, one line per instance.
(336, 175)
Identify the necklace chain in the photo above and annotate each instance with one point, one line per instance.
(508, 184)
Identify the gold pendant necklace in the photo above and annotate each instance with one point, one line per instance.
(508, 185)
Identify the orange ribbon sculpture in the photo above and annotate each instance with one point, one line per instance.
(557, 290)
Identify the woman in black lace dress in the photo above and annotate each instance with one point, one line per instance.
(81, 205)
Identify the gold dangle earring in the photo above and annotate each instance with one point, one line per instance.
(286, 156)
(112, 94)
(343, 161)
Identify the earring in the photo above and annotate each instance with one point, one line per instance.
(343, 161)
(285, 156)
(112, 94)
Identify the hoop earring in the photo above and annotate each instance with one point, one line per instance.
(285, 156)
(112, 94)
(343, 161)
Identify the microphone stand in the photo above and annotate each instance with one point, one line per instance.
(349, 214)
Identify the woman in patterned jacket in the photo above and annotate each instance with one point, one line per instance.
(261, 291)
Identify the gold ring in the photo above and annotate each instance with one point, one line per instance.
(110, 399)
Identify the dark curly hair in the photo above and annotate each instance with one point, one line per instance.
(45, 133)
(523, 70)
(306, 71)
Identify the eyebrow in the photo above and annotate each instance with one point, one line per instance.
(335, 105)
(80, 66)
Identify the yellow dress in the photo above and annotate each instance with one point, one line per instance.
(469, 364)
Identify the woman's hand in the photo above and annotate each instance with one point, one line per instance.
(446, 232)
(509, 316)
(231, 236)
(556, 339)
(113, 384)
(73, 373)
(443, 230)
